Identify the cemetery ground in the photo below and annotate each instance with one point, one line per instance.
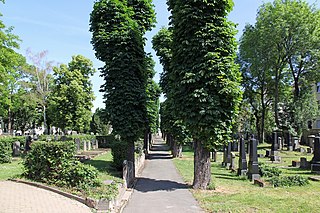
(102, 162)
(237, 194)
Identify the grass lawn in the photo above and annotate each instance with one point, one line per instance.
(236, 194)
(11, 170)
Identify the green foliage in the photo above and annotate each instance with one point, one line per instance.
(288, 181)
(5, 151)
(206, 95)
(54, 163)
(71, 101)
(6, 148)
(99, 125)
(119, 153)
(268, 171)
(76, 174)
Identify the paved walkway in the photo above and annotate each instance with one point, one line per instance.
(160, 188)
(22, 198)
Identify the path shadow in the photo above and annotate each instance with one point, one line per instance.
(159, 147)
(152, 185)
(155, 156)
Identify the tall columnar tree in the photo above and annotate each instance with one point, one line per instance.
(117, 37)
(174, 128)
(72, 96)
(207, 92)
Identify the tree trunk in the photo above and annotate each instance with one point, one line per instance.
(176, 149)
(45, 121)
(202, 166)
(10, 121)
(146, 142)
(131, 158)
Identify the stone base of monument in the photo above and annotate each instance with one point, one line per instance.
(315, 168)
(242, 172)
(290, 148)
(253, 176)
(275, 158)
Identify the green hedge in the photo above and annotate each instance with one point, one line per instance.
(119, 153)
(6, 147)
(288, 181)
(54, 163)
(105, 141)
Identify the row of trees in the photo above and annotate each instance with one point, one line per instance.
(131, 96)
(278, 60)
(39, 93)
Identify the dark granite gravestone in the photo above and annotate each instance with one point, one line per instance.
(304, 164)
(214, 155)
(242, 170)
(235, 146)
(16, 148)
(274, 156)
(315, 162)
(253, 167)
(229, 147)
(28, 143)
(289, 141)
(224, 158)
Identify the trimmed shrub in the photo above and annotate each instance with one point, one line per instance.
(288, 181)
(105, 141)
(119, 153)
(76, 174)
(54, 163)
(45, 160)
(268, 171)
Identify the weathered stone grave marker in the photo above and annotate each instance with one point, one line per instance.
(242, 170)
(253, 167)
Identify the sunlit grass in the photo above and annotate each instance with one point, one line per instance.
(236, 194)
(11, 170)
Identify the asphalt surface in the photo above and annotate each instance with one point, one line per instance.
(160, 187)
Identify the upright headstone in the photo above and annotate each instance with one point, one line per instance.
(28, 143)
(77, 141)
(295, 143)
(274, 156)
(214, 155)
(85, 145)
(253, 167)
(16, 148)
(242, 170)
(311, 139)
(224, 160)
(229, 147)
(289, 141)
(235, 146)
(232, 162)
(89, 144)
(315, 162)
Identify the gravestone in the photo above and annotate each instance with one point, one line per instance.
(229, 155)
(235, 146)
(253, 167)
(89, 145)
(289, 142)
(77, 141)
(16, 148)
(28, 143)
(295, 142)
(224, 160)
(232, 162)
(267, 153)
(304, 164)
(242, 170)
(214, 155)
(311, 139)
(85, 146)
(309, 150)
(315, 162)
(274, 156)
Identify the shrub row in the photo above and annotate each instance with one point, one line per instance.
(268, 171)
(54, 163)
(288, 181)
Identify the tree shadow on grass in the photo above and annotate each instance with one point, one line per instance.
(152, 185)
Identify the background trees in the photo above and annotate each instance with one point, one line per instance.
(72, 96)
(280, 59)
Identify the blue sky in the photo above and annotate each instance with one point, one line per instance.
(61, 27)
